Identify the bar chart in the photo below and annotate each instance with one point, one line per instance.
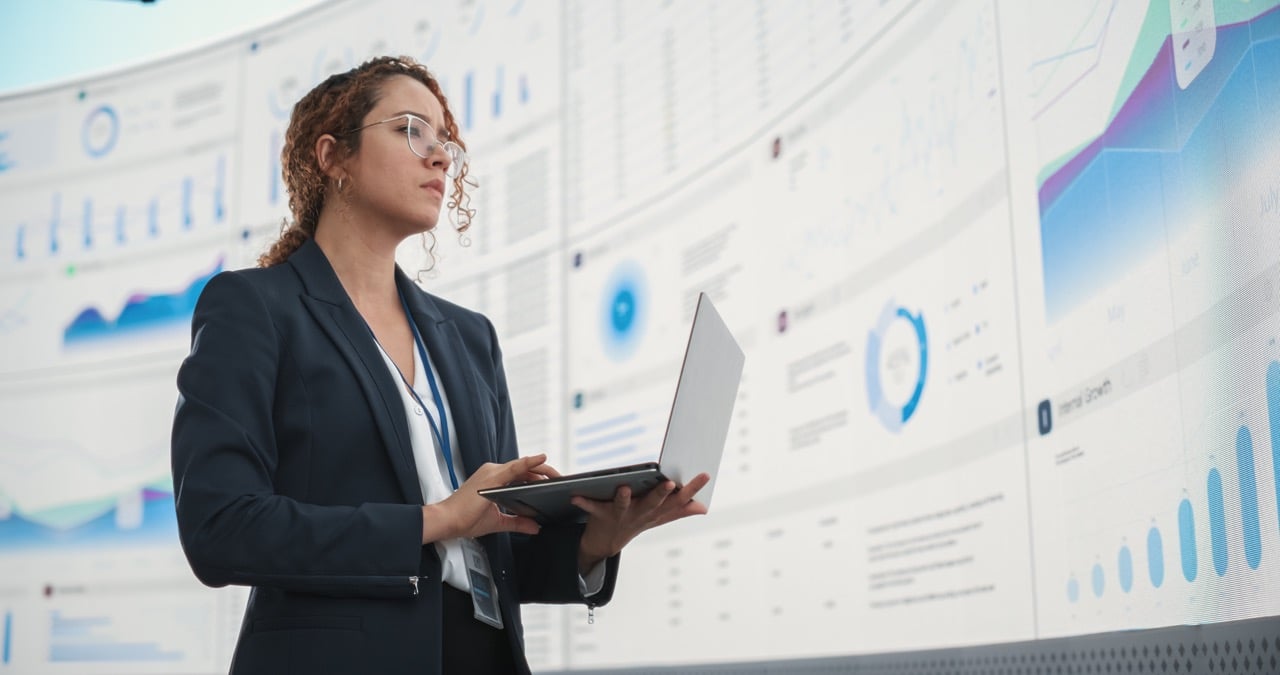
(1222, 519)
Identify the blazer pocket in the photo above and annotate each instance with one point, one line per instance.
(307, 623)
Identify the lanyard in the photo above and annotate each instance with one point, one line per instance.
(442, 433)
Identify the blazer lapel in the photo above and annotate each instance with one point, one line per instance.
(449, 355)
(328, 303)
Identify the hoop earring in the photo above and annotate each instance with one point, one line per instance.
(339, 184)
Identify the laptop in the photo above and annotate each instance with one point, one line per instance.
(693, 444)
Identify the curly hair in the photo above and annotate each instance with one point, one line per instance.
(339, 103)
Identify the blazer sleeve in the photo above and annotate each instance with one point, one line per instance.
(233, 526)
(546, 563)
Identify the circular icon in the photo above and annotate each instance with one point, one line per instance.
(897, 363)
(624, 311)
(101, 131)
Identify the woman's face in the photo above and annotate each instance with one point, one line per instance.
(391, 186)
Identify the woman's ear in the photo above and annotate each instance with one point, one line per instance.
(327, 156)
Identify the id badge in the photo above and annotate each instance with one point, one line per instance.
(484, 592)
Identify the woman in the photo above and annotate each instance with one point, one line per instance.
(335, 421)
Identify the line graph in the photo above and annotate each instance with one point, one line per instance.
(1057, 62)
(1160, 164)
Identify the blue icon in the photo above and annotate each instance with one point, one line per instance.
(623, 311)
(1044, 415)
(892, 415)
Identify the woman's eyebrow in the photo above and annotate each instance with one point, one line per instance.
(417, 114)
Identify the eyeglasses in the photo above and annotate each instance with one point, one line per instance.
(423, 141)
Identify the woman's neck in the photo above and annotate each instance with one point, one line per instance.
(364, 261)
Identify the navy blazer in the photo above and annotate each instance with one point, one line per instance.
(293, 473)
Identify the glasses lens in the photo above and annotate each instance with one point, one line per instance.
(457, 158)
(422, 138)
(423, 142)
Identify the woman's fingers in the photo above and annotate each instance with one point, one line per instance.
(520, 524)
(542, 471)
(593, 507)
(523, 465)
(622, 499)
(691, 488)
(657, 497)
(493, 475)
(663, 503)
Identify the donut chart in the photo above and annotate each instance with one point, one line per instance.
(892, 412)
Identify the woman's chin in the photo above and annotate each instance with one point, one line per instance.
(427, 224)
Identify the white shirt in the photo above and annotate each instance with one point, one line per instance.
(433, 474)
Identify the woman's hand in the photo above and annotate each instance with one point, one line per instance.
(467, 514)
(612, 525)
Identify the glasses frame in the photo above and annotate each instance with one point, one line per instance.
(457, 156)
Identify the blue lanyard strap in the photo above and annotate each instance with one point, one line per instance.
(442, 433)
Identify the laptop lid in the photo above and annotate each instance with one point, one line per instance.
(703, 405)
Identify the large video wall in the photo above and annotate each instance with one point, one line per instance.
(1007, 275)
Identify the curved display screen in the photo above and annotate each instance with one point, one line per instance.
(1007, 275)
